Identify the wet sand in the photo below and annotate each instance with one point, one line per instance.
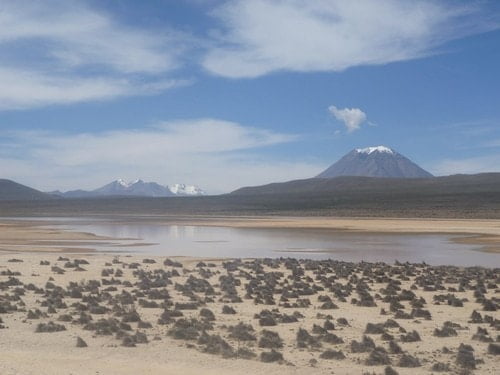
(38, 236)
(73, 291)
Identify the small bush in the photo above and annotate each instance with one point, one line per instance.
(270, 340)
(332, 354)
(272, 356)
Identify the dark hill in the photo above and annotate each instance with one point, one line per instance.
(479, 183)
(11, 191)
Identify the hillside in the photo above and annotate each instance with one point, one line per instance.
(485, 182)
(10, 190)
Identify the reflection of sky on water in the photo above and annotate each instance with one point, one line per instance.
(188, 240)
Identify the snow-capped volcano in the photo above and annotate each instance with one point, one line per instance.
(378, 161)
(136, 188)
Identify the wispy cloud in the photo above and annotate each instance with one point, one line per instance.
(25, 89)
(259, 37)
(352, 118)
(58, 52)
(217, 155)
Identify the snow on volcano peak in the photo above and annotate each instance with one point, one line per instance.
(183, 189)
(369, 150)
(121, 182)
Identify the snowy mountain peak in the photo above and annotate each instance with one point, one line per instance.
(369, 150)
(378, 161)
(121, 182)
(183, 189)
(137, 188)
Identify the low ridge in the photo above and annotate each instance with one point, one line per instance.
(10, 190)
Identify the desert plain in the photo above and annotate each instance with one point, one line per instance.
(68, 311)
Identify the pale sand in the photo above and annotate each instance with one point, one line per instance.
(24, 352)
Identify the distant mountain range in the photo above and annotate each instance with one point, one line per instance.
(379, 161)
(10, 190)
(367, 171)
(137, 188)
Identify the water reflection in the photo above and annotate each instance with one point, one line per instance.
(188, 240)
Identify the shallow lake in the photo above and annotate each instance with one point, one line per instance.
(207, 241)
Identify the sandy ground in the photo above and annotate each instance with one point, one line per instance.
(22, 351)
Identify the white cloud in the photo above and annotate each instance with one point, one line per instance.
(63, 52)
(480, 164)
(259, 37)
(217, 155)
(352, 118)
(25, 89)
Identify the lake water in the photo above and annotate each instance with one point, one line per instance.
(206, 241)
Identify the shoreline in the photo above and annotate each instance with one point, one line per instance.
(44, 235)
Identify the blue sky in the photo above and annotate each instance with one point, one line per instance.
(223, 94)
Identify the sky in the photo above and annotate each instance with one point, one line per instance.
(224, 94)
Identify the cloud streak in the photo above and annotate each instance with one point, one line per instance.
(56, 52)
(260, 37)
(217, 155)
(27, 89)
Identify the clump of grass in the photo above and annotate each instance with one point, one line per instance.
(305, 340)
(215, 344)
(377, 357)
(228, 310)
(242, 332)
(272, 356)
(207, 314)
(412, 336)
(50, 327)
(364, 346)
(332, 354)
(80, 343)
(408, 360)
(465, 357)
(270, 340)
